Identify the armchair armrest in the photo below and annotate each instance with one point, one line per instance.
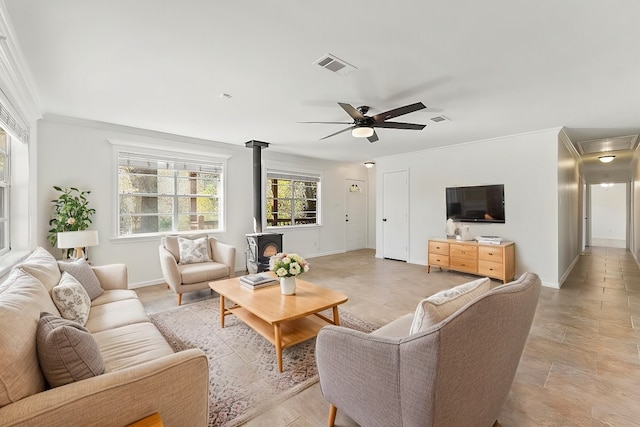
(112, 276)
(224, 253)
(169, 267)
(174, 386)
(359, 372)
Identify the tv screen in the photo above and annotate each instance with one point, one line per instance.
(480, 203)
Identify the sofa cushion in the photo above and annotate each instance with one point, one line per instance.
(114, 295)
(71, 299)
(131, 345)
(202, 272)
(43, 266)
(193, 251)
(67, 352)
(20, 307)
(443, 304)
(83, 273)
(116, 314)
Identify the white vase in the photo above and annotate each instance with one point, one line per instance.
(288, 285)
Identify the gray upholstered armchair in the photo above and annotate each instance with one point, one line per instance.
(457, 372)
(186, 277)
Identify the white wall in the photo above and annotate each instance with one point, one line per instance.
(569, 217)
(527, 166)
(635, 207)
(609, 215)
(78, 153)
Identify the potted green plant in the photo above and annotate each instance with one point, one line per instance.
(71, 212)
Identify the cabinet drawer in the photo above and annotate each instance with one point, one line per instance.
(438, 248)
(463, 264)
(463, 251)
(491, 269)
(489, 253)
(439, 260)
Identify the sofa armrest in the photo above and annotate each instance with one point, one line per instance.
(112, 276)
(225, 254)
(169, 267)
(174, 386)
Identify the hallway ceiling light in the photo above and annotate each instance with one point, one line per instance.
(606, 159)
(369, 164)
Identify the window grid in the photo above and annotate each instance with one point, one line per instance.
(292, 200)
(163, 195)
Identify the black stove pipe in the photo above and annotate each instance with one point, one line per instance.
(257, 147)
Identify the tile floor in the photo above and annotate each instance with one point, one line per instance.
(581, 364)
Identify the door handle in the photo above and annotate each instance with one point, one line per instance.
(384, 219)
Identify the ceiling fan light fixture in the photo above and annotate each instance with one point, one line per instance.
(362, 132)
(606, 159)
(369, 164)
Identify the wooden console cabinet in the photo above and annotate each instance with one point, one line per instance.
(483, 259)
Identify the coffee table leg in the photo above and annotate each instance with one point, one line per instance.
(336, 317)
(278, 343)
(222, 313)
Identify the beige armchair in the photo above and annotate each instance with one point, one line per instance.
(457, 372)
(196, 276)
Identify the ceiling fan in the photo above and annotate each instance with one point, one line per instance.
(363, 125)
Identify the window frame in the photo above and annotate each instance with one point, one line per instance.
(5, 182)
(294, 175)
(167, 154)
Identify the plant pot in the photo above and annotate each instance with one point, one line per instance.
(288, 285)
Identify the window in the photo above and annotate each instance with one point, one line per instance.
(292, 199)
(159, 194)
(4, 191)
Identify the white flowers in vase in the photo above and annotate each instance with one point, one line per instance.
(288, 265)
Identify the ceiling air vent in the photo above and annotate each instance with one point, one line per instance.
(334, 64)
(438, 119)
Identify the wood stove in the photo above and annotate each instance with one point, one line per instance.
(262, 246)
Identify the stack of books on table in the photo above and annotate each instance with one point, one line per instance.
(258, 280)
(493, 240)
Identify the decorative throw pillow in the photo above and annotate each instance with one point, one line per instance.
(193, 251)
(66, 351)
(82, 271)
(71, 299)
(443, 304)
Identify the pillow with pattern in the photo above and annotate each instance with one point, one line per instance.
(72, 299)
(193, 251)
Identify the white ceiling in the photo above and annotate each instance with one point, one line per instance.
(494, 67)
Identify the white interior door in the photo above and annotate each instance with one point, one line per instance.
(356, 215)
(395, 215)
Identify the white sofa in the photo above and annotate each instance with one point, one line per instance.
(142, 375)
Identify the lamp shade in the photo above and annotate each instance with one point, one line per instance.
(362, 132)
(77, 239)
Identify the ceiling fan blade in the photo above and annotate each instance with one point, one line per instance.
(374, 137)
(331, 123)
(399, 111)
(355, 114)
(398, 125)
(340, 131)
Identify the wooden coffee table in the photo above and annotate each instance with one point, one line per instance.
(284, 320)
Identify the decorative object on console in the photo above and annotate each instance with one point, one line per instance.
(450, 229)
(287, 267)
(71, 212)
(78, 241)
(463, 233)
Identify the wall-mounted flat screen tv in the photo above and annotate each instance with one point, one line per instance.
(480, 203)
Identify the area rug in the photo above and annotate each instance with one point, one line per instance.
(243, 374)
